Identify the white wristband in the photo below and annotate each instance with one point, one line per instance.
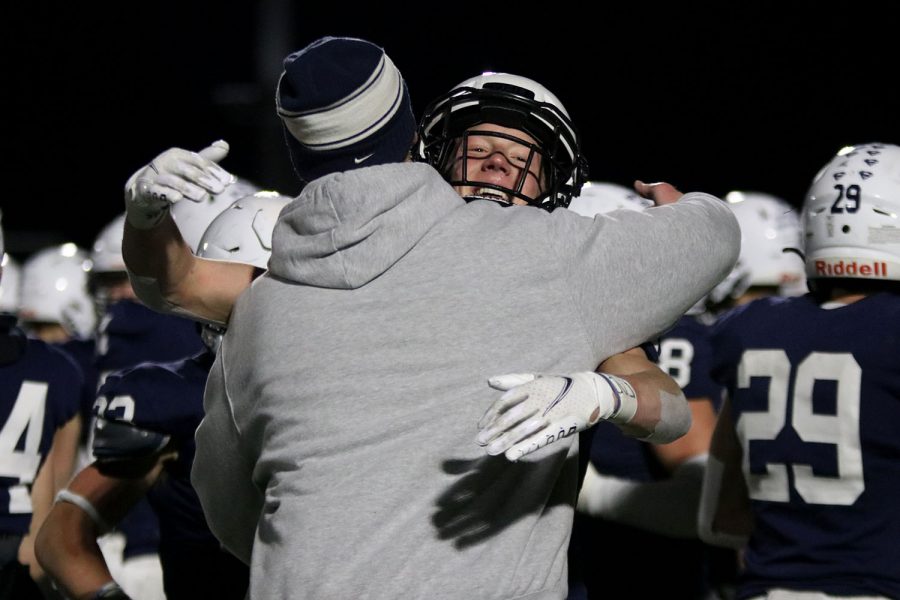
(625, 399)
(81, 502)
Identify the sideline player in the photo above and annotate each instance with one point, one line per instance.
(805, 460)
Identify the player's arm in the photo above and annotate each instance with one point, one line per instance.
(725, 517)
(667, 506)
(164, 272)
(536, 410)
(661, 411)
(53, 476)
(167, 277)
(64, 452)
(66, 544)
(130, 460)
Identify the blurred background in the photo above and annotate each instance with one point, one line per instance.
(707, 96)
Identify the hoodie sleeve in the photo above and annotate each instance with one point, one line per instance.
(633, 274)
(222, 474)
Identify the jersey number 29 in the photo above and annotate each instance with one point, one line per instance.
(840, 429)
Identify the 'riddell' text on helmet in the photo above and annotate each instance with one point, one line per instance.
(513, 102)
(851, 216)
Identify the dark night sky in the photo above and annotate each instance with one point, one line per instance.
(703, 95)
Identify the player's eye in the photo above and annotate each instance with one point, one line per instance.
(519, 158)
(475, 148)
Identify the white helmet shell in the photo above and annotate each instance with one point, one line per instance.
(9, 285)
(599, 197)
(54, 290)
(192, 218)
(851, 216)
(106, 253)
(769, 225)
(243, 232)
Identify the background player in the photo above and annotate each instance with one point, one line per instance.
(639, 497)
(144, 445)
(39, 428)
(804, 463)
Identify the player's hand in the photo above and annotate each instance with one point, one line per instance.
(537, 410)
(174, 175)
(661, 193)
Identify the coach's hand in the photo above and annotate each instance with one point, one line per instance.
(172, 176)
(537, 410)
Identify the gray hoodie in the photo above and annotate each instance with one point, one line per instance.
(341, 412)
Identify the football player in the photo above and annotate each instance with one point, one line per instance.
(39, 429)
(641, 497)
(128, 334)
(805, 461)
(144, 444)
(54, 304)
(768, 264)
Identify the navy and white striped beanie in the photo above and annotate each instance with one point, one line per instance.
(344, 105)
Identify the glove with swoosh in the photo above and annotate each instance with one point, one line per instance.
(174, 175)
(537, 410)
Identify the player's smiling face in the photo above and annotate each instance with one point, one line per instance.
(500, 161)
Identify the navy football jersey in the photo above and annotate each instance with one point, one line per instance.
(167, 398)
(40, 389)
(130, 334)
(83, 352)
(685, 353)
(816, 404)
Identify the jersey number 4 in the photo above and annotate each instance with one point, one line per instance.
(840, 429)
(27, 414)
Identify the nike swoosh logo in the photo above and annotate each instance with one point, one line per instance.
(363, 159)
(560, 396)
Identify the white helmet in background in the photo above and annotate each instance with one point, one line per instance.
(852, 215)
(106, 253)
(769, 225)
(54, 290)
(243, 232)
(9, 285)
(598, 197)
(192, 218)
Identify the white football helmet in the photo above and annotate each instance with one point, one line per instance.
(851, 215)
(509, 101)
(9, 285)
(192, 218)
(598, 197)
(106, 253)
(54, 290)
(243, 232)
(769, 226)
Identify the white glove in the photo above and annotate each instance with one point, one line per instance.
(537, 410)
(172, 176)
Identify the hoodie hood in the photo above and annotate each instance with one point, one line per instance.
(348, 228)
